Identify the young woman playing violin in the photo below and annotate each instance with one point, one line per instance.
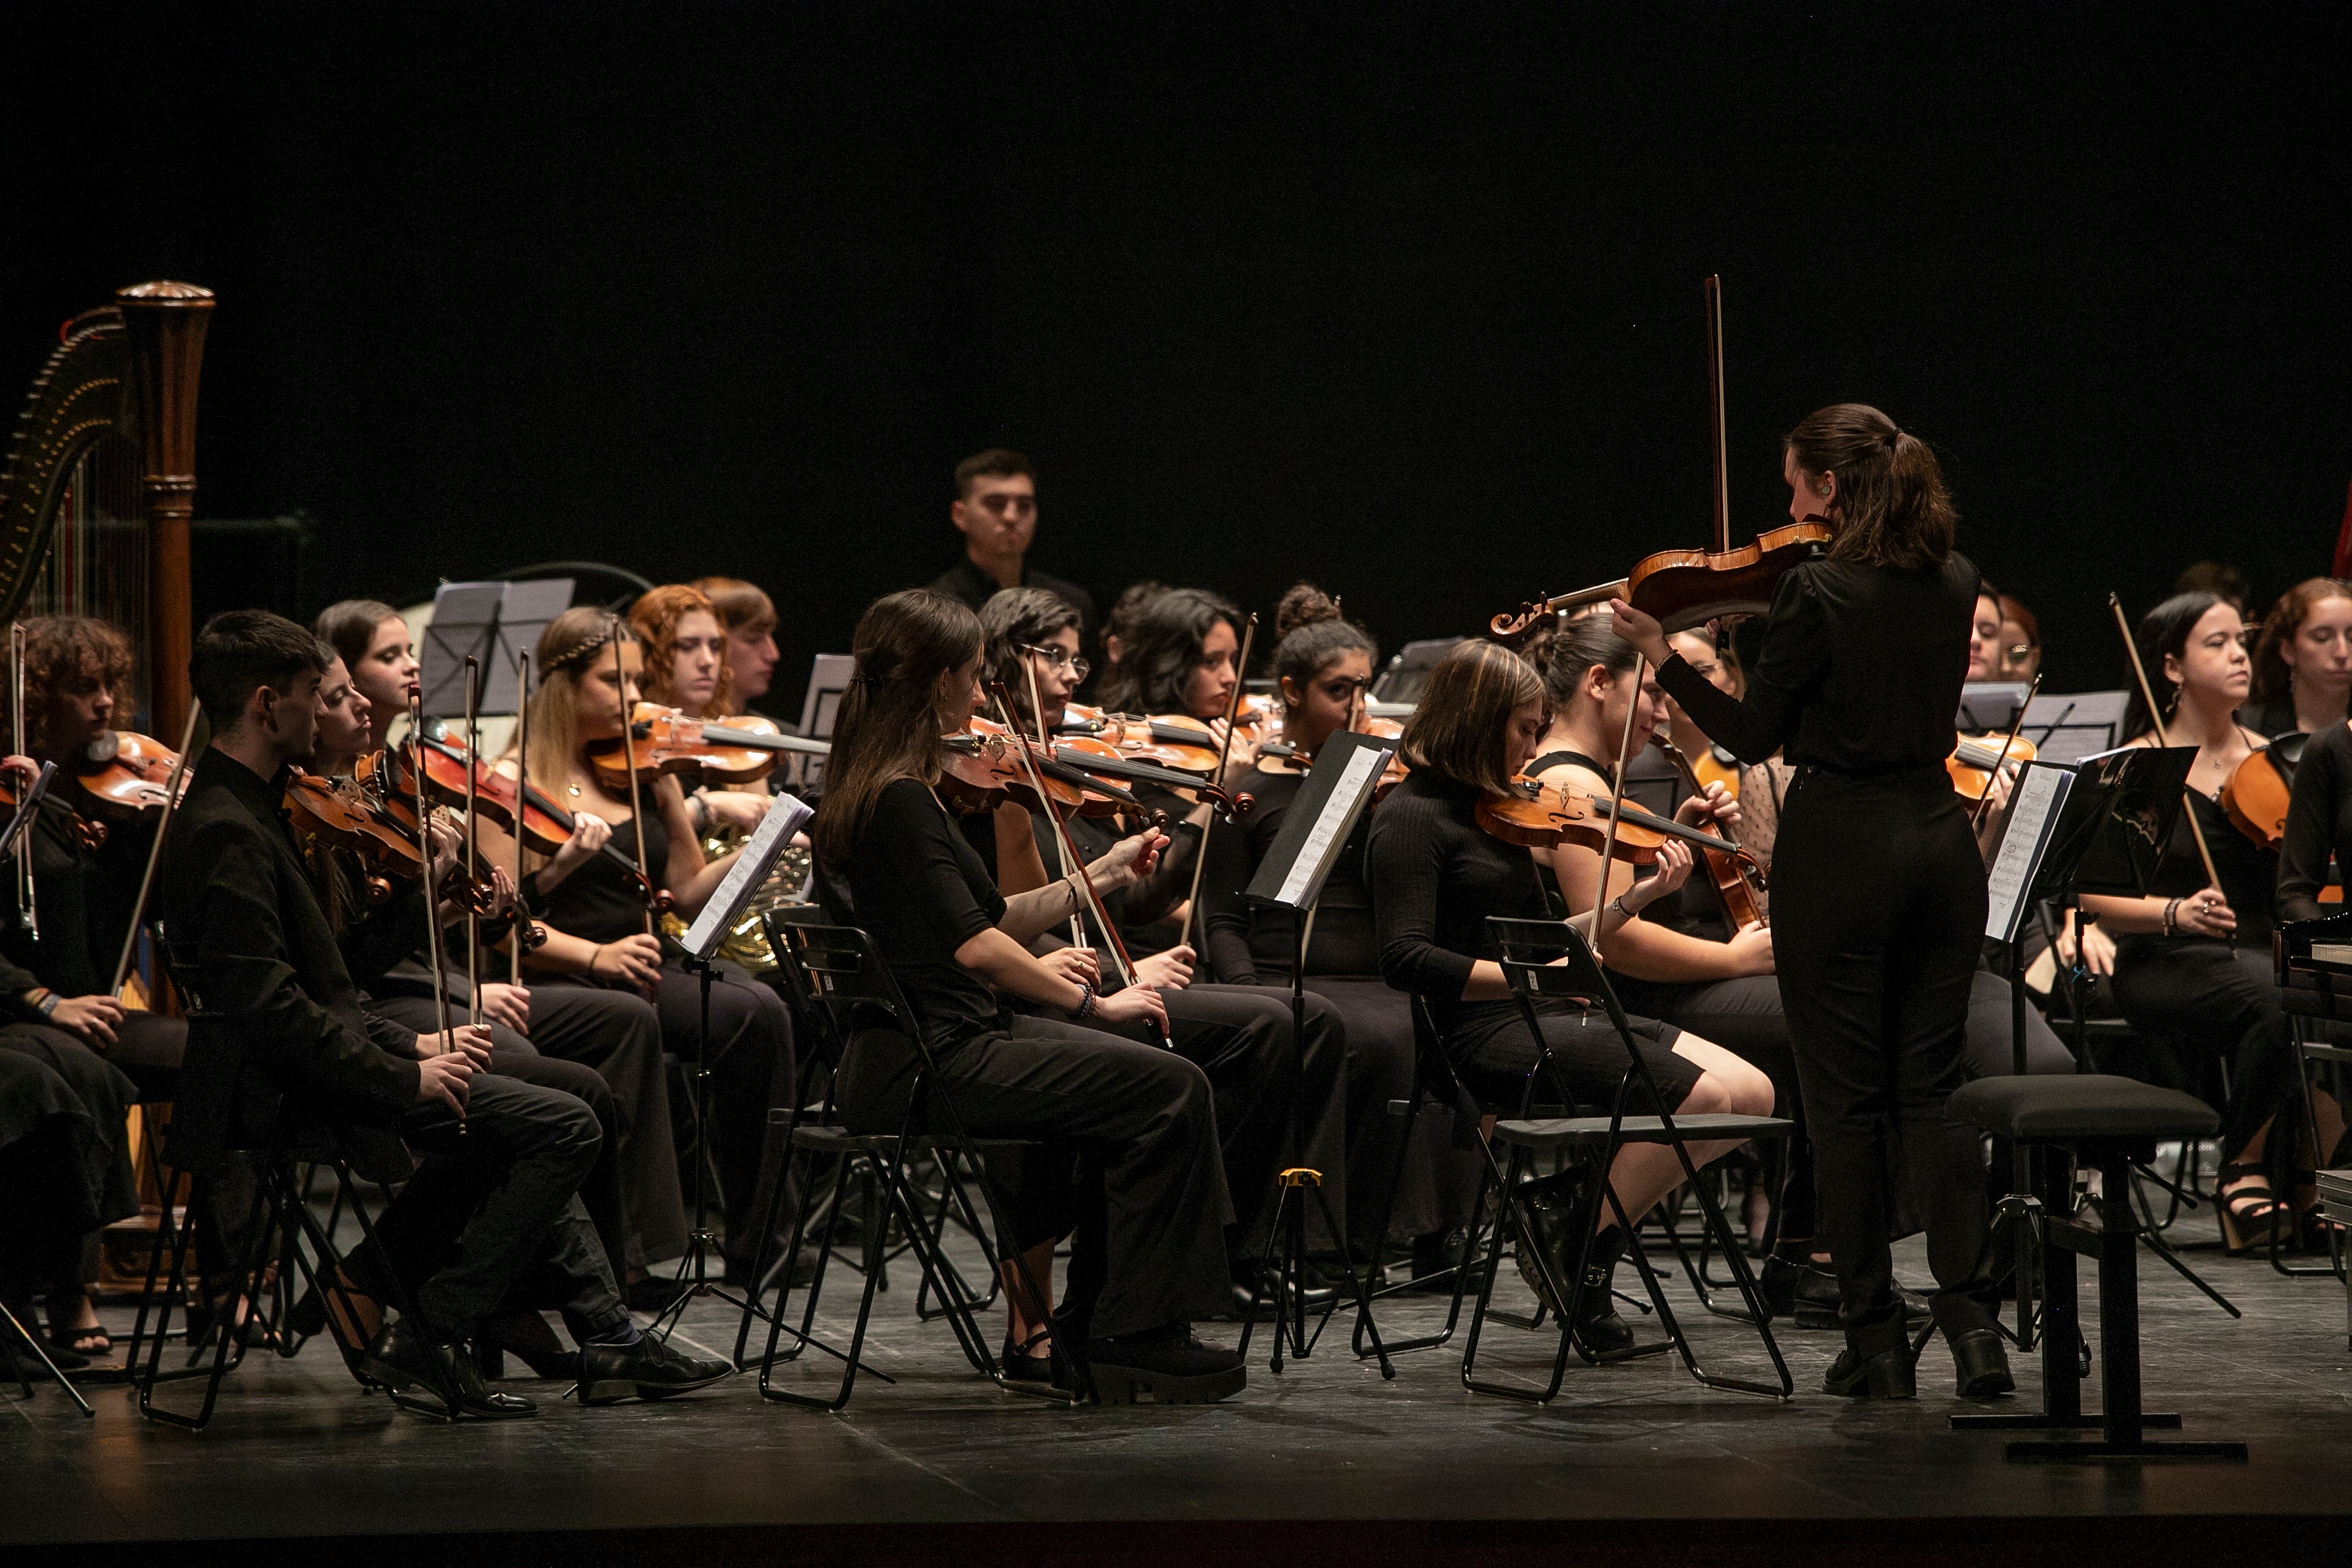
(1148, 1204)
(2303, 661)
(1322, 666)
(595, 910)
(1878, 903)
(86, 874)
(687, 669)
(1436, 876)
(605, 1047)
(1280, 1101)
(2192, 959)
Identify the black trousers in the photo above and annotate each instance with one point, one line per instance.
(2214, 1000)
(750, 1053)
(1878, 914)
(1128, 1166)
(512, 1055)
(495, 1208)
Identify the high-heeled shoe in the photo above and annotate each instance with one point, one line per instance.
(2251, 1215)
(1981, 1364)
(1889, 1375)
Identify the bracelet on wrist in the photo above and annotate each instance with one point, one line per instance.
(2172, 918)
(1085, 1001)
(1618, 903)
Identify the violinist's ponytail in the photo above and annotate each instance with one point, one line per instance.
(1891, 508)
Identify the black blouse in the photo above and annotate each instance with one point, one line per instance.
(83, 897)
(2318, 824)
(921, 892)
(1435, 876)
(1860, 671)
(1246, 944)
(2249, 876)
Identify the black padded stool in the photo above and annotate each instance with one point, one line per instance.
(2108, 1123)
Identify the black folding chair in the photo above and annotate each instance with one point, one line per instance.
(842, 978)
(1549, 960)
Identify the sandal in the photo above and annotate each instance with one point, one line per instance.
(2252, 1216)
(92, 1343)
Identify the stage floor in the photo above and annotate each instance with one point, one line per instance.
(297, 1451)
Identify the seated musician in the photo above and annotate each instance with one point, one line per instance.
(599, 924)
(1265, 1078)
(1120, 623)
(86, 866)
(2303, 661)
(604, 1048)
(2192, 963)
(63, 1174)
(1436, 876)
(503, 1160)
(995, 509)
(1148, 1204)
(1321, 667)
(2021, 641)
(1985, 661)
(685, 669)
(749, 617)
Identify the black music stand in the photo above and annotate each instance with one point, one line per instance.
(786, 815)
(2099, 825)
(1339, 786)
(491, 622)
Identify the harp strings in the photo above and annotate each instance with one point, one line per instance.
(97, 564)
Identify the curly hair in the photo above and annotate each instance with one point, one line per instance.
(655, 616)
(60, 651)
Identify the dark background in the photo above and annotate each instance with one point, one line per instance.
(1405, 299)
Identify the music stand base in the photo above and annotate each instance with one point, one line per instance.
(2053, 1423)
(2121, 1453)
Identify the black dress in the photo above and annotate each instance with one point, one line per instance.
(1129, 1158)
(750, 1046)
(1878, 906)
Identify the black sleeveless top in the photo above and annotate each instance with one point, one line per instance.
(599, 900)
(1695, 909)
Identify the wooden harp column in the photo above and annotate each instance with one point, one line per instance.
(100, 482)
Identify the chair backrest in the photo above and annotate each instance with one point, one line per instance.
(1550, 959)
(839, 972)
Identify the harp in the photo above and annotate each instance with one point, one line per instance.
(100, 479)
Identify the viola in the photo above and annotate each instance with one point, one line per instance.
(2256, 793)
(1538, 816)
(546, 826)
(1737, 878)
(1977, 758)
(721, 754)
(126, 775)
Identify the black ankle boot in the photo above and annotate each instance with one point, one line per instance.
(1556, 1201)
(1889, 1375)
(1981, 1364)
(1597, 1324)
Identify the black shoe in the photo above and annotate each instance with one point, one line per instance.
(1166, 1364)
(1598, 1327)
(1812, 1293)
(1556, 1201)
(650, 1368)
(1435, 1259)
(1889, 1375)
(436, 1378)
(1020, 1366)
(1981, 1364)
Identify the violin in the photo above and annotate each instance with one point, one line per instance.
(1977, 758)
(2256, 793)
(981, 767)
(722, 754)
(127, 775)
(1288, 757)
(1684, 588)
(1538, 816)
(346, 813)
(1737, 878)
(1173, 740)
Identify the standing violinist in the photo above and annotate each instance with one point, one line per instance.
(602, 1046)
(86, 874)
(593, 902)
(2193, 959)
(1878, 887)
(2303, 661)
(1276, 1096)
(1322, 666)
(1127, 1162)
(1437, 875)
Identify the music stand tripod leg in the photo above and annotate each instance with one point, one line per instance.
(696, 1264)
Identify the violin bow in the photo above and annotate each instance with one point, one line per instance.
(2016, 724)
(1224, 751)
(29, 913)
(522, 776)
(1690, 777)
(432, 891)
(2156, 722)
(472, 917)
(629, 753)
(1616, 804)
(156, 852)
(1061, 844)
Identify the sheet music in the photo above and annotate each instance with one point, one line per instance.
(785, 817)
(2038, 795)
(1360, 768)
